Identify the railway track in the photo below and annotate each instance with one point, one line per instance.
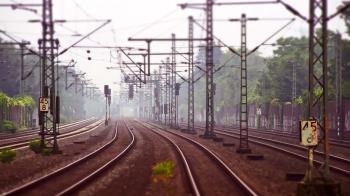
(339, 165)
(333, 142)
(8, 136)
(69, 131)
(72, 177)
(210, 170)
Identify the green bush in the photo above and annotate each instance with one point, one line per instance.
(34, 145)
(7, 155)
(7, 125)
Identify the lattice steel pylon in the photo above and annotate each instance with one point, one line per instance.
(190, 120)
(243, 117)
(157, 98)
(166, 102)
(294, 94)
(150, 112)
(209, 121)
(313, 182)
(338, 52)
(318, 70)
(173, 82)
(48, 45)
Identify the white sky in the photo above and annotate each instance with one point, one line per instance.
(150, 19)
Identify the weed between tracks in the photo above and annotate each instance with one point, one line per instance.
(35, 146)
(162, 177)
(7, 155)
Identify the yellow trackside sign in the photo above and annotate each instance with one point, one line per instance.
(308, 133)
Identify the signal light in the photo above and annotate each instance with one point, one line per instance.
(106, 87)
(177, 88)
(131, 91)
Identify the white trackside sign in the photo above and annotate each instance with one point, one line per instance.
(308, 133)
(44, 104)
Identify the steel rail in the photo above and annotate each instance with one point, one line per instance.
(47, 177)
(187, 167)
(335, 142)
(79, 131)
(297, 155)
(332, 167)
(10, 136)
(338, 158)
(73, 188)
(245, 187)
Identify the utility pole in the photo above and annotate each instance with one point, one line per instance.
(173, 83)
(107, 92)
(317, 103)
(338, 85)
(318, 16)
(294, 95)
(150, 111)
(157, 98)
(209, 121)
(48, 120)
(172, 97)
(22, 85)
(66, 73)
(315, 183)
(243, 118)
(190, 120)
(109, 103)
(166, 105)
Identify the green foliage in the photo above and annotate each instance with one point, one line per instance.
(22, 101)
(163, 171)
(7, 125)
(34, 145)
(278, 80)
(299, 100)
(162, 175)
(4, 99)
(7, 155)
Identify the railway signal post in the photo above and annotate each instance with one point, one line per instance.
(48, 46)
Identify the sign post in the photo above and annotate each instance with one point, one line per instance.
(309, 138)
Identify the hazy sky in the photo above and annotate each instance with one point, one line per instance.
(149, 19)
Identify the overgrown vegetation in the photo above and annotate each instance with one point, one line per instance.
(7, 155)
(162, 175)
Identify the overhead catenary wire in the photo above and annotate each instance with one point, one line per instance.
(155, 22)
(271, 36)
